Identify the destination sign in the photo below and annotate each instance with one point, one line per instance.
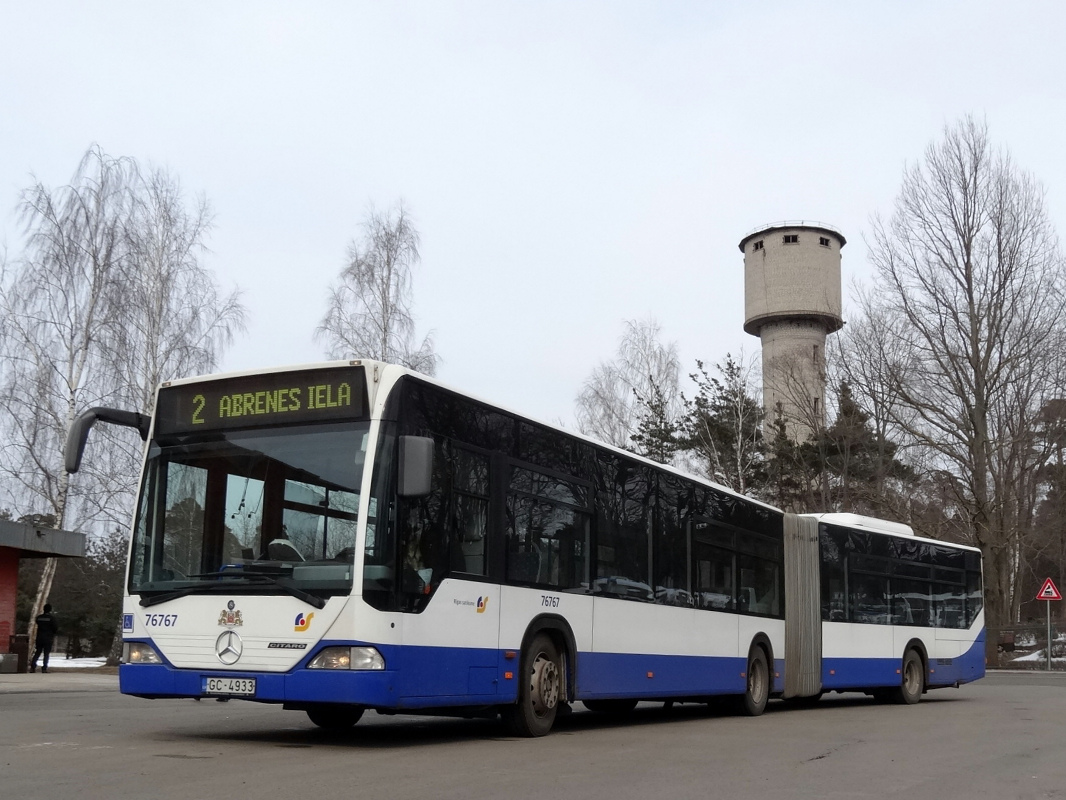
(279, 398)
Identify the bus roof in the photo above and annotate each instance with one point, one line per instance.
(867, 523)
(862, 522)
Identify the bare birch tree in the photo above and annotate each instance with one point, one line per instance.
(370, 307)
(860, 356)
(969, 268)
(609, 404)
(179, 320)
(61, 320)
(176, 321)
(109, 299)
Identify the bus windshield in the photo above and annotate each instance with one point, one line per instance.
(267, 511)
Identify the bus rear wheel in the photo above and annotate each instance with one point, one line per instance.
(757, 685)
(539, 692)
(912, 680)
(335, 718)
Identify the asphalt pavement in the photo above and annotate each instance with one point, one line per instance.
(53, 681)
(72, 733)
(93, 681)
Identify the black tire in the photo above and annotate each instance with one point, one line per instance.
(540, 690)
(757, 684)
(912, 680)
(615, 708)
(335, 718)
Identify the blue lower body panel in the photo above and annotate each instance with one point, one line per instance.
(605, 675)
(858, 673)
(873, 673)
(438, 677)
(968, 667)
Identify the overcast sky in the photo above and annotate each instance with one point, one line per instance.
(569, 165)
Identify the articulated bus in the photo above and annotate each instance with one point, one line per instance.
(352, 536)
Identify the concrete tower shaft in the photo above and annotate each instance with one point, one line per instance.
(792, 302)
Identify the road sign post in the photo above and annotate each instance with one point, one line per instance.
(1048, 592)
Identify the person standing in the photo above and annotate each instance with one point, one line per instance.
(46, 636)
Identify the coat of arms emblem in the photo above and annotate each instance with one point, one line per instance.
(230, 616)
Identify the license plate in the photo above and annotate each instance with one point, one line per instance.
(231, 686)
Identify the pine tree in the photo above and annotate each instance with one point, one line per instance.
(659, 433)
(859, 466)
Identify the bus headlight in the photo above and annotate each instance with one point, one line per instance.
(139, 653)
(348, 658)
(367, 658)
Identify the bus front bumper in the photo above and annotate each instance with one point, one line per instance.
(371, 688)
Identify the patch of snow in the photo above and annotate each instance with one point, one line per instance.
(1039, 656)
(75, 663)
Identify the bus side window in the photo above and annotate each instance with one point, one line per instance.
(547, 532)
(523, 553)
(423, 524)
(832, 545)
(869, 598)
(471, 503)
(627, 492)
(713, 584)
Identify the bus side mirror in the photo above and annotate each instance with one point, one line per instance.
(416, 466)
(79, 430)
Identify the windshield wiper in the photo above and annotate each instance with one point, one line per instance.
(154, 599)
(279, 581)
(230, 578)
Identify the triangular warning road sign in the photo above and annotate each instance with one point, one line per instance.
(1048, 591)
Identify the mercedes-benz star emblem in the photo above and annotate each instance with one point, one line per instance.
(228, 647)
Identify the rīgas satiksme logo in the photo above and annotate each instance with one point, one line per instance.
(480, 605)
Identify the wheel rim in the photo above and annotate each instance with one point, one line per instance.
(544, 685)
(912, 679)
(756, 681)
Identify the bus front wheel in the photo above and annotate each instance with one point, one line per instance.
(540, 690)
(757, 684)
(335, 718)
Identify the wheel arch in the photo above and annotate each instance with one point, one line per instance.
(563, 635)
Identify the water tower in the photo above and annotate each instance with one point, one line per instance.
(792, 302)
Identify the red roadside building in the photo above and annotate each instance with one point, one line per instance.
(19, 540)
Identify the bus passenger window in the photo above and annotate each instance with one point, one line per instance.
(424, 547)
(625, 530)
(869, 599)
(910, 602)
(713, 582)
(759, 586)
(949, 606)
(471, 498)
(545, 543)
(834, 608)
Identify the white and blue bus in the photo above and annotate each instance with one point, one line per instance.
(354, 536)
